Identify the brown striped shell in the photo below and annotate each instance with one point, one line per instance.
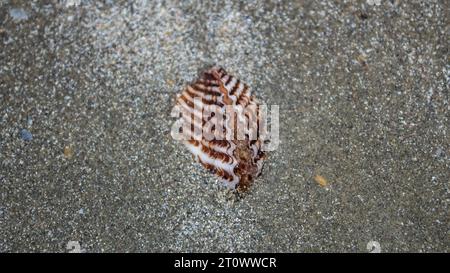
(236, 161)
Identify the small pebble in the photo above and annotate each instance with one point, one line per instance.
(321, 180)
(18, 14)
(68, 152)
(26, 135)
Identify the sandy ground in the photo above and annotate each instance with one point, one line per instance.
(86, 91)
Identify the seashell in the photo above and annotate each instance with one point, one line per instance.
(212, 109)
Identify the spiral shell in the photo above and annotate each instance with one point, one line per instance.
(237, 161)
